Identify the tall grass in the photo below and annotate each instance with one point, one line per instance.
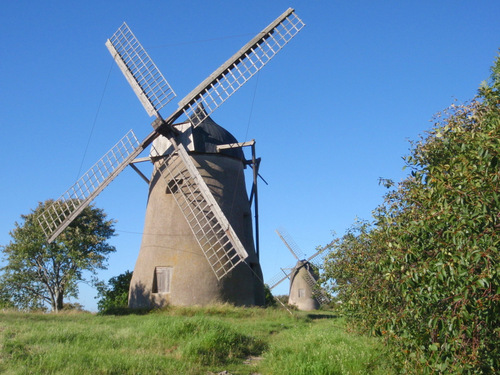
(190, 340)
(324, 347)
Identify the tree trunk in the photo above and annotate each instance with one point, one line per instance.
(60, 302)
(57, 302)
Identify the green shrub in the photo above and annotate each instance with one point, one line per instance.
(426, 273)
(113, 297)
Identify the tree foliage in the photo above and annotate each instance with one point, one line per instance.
(426, 272)
(114, 296)
(5, 299)
(39, 273)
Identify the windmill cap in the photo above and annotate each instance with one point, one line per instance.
(208, 135)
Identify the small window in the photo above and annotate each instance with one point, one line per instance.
(162, 278)
(302, 293)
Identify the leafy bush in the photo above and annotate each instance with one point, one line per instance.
(425, 274)
(268, 297)
(113, 297)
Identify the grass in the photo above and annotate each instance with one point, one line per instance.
(190, 340)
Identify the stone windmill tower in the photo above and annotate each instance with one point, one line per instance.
(305, 292)
(198, 245)
(171, 266)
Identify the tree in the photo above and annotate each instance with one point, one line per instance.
(39, 273)
(114, 296)
(425, 273)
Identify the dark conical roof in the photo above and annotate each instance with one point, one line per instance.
(208, 134)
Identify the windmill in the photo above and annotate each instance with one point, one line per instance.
(198, 244)
(305, 292)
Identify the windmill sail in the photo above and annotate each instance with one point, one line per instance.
(146, 80)
(56, 217)
(311, 280)
(319, 256)
(242, 66)
(318, 292)
(290, 244)
(296, 252)
(209, 225)
(279, 278)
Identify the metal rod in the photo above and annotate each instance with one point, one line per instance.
(256, 201)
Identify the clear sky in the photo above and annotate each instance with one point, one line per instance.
(331, 113)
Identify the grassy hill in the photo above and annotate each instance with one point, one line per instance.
(209, 340)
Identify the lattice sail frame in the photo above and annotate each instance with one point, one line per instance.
(242, 66)
(213, 232)
(317, 291)
(290, 244)
(56, 217)
(314, 260)
(277, 279)
(146, 80)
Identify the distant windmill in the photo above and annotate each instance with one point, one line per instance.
(197, 245)
(305, 293)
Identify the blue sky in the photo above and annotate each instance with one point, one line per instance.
(331, 113)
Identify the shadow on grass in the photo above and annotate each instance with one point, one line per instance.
(124, 311)
(322, 316)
